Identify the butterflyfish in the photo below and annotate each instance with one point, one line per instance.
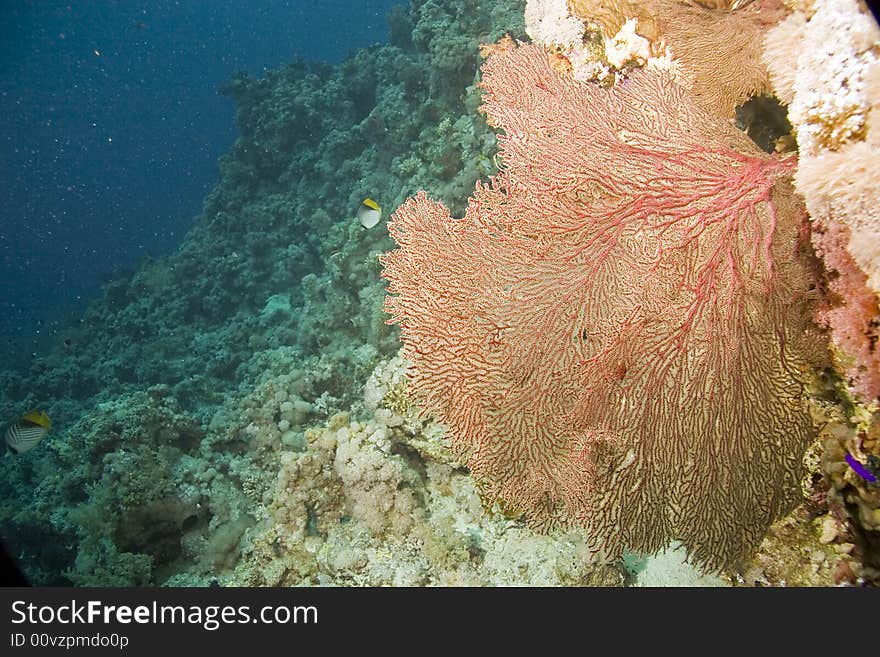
(27, 431)
(369, 213)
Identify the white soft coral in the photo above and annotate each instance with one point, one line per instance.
(549, 23)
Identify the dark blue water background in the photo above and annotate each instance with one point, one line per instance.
(110, 130)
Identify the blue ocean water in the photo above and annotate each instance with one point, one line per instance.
(111, 128)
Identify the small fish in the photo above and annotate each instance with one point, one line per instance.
(860, 469)
(369, 213)
(29, 430)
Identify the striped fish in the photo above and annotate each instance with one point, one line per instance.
(29, 430)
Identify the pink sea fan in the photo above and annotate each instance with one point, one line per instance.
(852, 313)
(615, 334)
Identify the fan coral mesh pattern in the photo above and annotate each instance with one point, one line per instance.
(719, 49)
(613, 333)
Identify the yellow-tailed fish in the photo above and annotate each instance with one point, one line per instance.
(29, 430)
(369, 213)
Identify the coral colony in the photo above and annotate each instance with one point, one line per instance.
(618, 331)
(618, 328)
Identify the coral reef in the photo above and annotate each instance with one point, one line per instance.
(854, 502)
(275, 279)
(801, 551)
(591, 329)
(381, 502)
(850, 312)
(833, 92)
(235, 413)
(713, 48)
